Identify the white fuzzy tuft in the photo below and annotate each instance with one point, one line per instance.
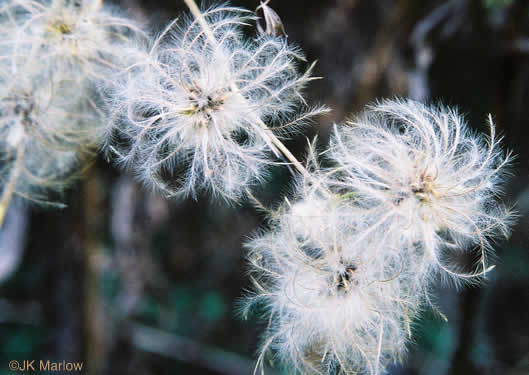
(45, 127)
(53, 56)
(80, 39)
(333, 307)
(425, 182)
(195, 110)
(346, 268)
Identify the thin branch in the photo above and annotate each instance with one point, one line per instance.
(10, 187)
(157, 341)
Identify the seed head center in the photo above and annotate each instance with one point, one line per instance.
(60, 27)
(21, 106)
(424, 187)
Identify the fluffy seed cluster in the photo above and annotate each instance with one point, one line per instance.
(53, 56)
(346, 268)
(79, 38)
(44, 129)
(333, 308)
(195, 113)
(425, 181)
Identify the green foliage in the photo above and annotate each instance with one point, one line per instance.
(150, 309)
(19, 342)
(497, 3)
(515, 264)
(434, 336)
(212, 306)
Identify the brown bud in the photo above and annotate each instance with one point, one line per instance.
(273, 23)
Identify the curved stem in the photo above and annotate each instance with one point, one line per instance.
(193, 7)
(9, 189)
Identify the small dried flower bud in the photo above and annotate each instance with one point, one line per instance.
(274, 25)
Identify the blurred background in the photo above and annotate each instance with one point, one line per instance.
(128, 282)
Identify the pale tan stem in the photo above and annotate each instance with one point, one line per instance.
(93, 306)
(9, 189)
(272, 137)
(198, 16)
(285, 151)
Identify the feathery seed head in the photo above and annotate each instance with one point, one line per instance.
(200, 102)
(44, 128)
(332, 306)
(80, 36)
(345, 269)
(424, 179)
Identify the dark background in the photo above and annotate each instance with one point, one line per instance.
(130, 283)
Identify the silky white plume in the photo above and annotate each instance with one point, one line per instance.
(425, 181)
(197, 111)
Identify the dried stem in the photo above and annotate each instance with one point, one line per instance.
(93, 307)
(9, 189)
(154, 340)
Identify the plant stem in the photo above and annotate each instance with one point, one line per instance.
(286, 152)
(9, 189)
(198, 16)
(272, 137)
(160, 342)
(92, 252)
